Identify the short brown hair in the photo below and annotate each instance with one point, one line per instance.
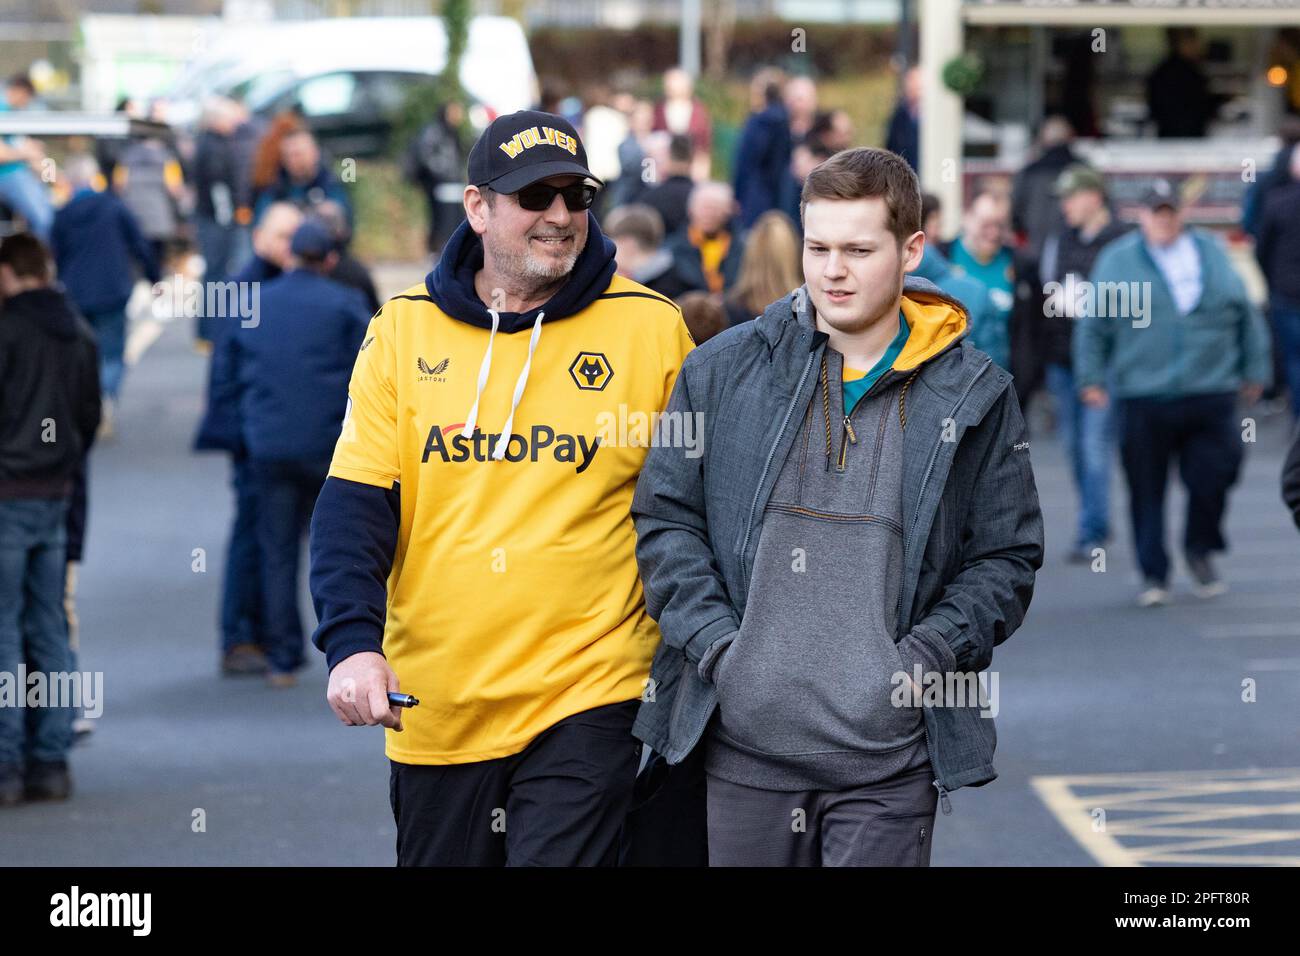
(26, 255)
(639, 222)
(865, 172)
(703, 314)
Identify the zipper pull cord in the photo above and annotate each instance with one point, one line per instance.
(902, 406)
(826, 411)
(943, 798)
(848, 427)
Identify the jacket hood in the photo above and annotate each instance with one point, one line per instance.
(936, 321)
(934, 264)
(451, 283)
(48, 309)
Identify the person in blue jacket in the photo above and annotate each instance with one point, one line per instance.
(243, 641)
(304, 179)
(1171, 335)
(763, 156)
(98, 246)
(288, 376)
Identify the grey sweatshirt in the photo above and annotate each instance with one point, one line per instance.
(805, 686)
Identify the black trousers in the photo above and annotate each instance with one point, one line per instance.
(667, 824)
(1202, 432)
(561, 801)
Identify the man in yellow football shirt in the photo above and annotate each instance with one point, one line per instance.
(473, 544)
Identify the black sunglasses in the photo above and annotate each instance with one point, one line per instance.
(539, 196)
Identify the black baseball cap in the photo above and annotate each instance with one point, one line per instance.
(518, 149)
(1162, 194)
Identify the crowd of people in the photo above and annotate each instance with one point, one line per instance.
(262, 207)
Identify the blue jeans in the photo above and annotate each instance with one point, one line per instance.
(26, 195)
(241, 600)
(1087, 435)
(1286, 321)
(286, 495)
(33, 624)
(110, 333)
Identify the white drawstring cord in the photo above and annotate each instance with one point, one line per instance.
(472, 419)
(503, 439)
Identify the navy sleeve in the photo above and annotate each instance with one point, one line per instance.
(353, 539)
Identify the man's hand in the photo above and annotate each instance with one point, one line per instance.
(358, 691)
(1251, 392)
(1094, 396)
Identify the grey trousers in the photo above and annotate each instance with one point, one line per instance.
(889, 823)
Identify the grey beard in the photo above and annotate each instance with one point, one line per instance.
(530, 269)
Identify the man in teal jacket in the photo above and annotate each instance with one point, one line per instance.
(1167, 323)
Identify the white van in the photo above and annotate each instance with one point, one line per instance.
(353, 65)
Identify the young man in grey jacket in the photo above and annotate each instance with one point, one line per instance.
(861, 524)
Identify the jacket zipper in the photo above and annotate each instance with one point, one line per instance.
(944, 803)
(767, 465)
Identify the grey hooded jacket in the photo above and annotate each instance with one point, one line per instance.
(972, 528)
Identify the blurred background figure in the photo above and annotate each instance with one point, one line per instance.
(637, 232)
(703, 316)
(349, 270)
(982, 252)
(1277, 248)
(935, 266)
(1179, 100)
(289, 413)
(1175, 370)
(771, 266)
(244, 639)
(221, 192)
(706, 254)
(603, 128)
(435, 161)
(631, 184)
(800, 98)
(21, 188)
(301, 176)
(1035, 211)
(762, 164)
(681, 112)
(670, 194)
(903, 135)
(99, 250)
(149, 180)
(1085, 431)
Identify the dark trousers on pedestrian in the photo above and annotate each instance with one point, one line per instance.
(667, 824)
(241, 598)
(889, 823)
(1286, 325)
(286, 493)
(1202, 433)
(560, 801)
(33, 626)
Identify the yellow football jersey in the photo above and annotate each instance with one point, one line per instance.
(514, 599)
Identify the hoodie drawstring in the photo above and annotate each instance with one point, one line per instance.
(503, 439)
(472, 418)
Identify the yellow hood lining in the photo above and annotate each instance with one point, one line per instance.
(933, 324)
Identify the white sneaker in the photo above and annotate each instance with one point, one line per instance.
(1153, 594)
